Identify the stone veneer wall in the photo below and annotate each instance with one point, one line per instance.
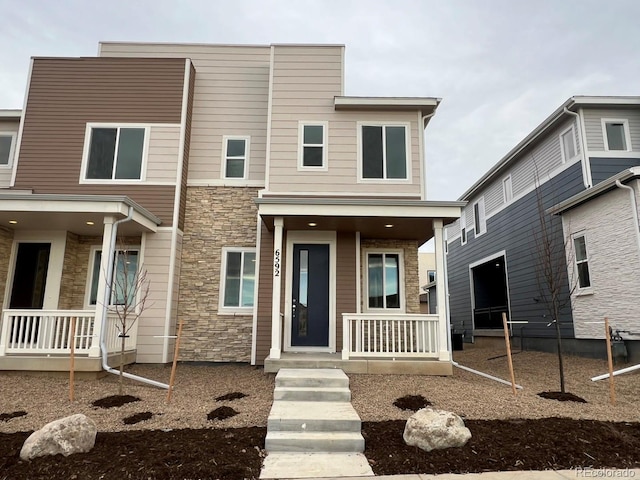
(6, 241)
(216, 217)
(69, 273)
(411, 279)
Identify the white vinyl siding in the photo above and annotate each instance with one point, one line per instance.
(231, 95)
(162, 158)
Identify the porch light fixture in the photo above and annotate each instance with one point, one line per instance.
(90, 223)
(312, 224)
(389, 225)
(13, 222)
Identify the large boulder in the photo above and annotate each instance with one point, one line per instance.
(431, 429)
(74, 434)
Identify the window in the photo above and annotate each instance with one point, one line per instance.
(616, 135)
(6, 149)
(384, 152)
(125, 270)
(313, 146)
(383, 280)
(238, 278)
(507, 189)
(235, 157)
(479, 218)
(582, 261)
(431, 276)
(568, 144)
(115, 153)
(463, 228)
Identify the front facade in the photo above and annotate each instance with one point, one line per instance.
(275, 217)
(496, 255)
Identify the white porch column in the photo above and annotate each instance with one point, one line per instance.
(443, 334)
(276, 319)
(94, 350)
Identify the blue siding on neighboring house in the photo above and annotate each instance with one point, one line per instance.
(512, 230)
(603, 168)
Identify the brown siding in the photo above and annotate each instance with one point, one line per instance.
(65, 94)
(265, 289)
(187, 148)
(345, 280)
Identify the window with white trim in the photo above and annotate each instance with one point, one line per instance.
(125, 273)
(463, 228)
(616, 135)
(115, 153)
(507, 189)
(313, 146)
(384, 151)
(568, 144)
(431, 276)
(237, 278)
(582, 261)
(479, 217)
(384, 280)
(7, 145)
(235, 156)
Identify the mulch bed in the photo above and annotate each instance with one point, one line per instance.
(114, 401)
(550, 443)
(231, 396)
(5, 417)
(412, 402)
(221, 413)
(562, 397)
(137, 418)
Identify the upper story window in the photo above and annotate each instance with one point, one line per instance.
(237, 278)
(616, 135)
(235, 157)
(568, 143)
(479, 218)
(463, 228)
(582, 261)
(384, 280)
(115, 152)
(7, 141)
(384, 152)
(507, 189)
(313, 146)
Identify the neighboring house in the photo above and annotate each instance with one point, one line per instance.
(567, 165)
(276, 217)
(427, 275)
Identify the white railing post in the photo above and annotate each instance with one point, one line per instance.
(4, 332)
(346, 336)
(443, 334)
(276, 320)
(94, 350)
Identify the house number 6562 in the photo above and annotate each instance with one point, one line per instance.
(276, 263)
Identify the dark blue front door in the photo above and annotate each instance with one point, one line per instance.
(310, 296)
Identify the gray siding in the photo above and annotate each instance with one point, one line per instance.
(512, 230)
(593, 126)
(603, 168)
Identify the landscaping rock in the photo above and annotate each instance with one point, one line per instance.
(74, 434)
(431, 429)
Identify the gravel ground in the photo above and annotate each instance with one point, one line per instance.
(46, 398)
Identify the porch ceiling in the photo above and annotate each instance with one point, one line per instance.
(72, 213)
(373, 218)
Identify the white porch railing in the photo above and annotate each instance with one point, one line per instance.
(389, 336)
(47, 332)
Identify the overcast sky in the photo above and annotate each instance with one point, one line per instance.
(500, 66)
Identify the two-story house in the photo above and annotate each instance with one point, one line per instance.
(567, 185)
(276, 217)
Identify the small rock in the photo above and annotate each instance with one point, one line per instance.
(74, 434)
(431, 429)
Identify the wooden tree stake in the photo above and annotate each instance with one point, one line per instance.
(508, 343)
(175, 361)
(612, 387)
(72, 358)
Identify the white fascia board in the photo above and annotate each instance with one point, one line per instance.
(614, 101)
(10, 113)
(442, 210)
(418, 103)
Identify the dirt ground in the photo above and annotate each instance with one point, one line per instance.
(495, 445)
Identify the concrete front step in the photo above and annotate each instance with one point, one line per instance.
(314, 442)
(312, 394)
(313, 417)
(315, 465)
(303, 377)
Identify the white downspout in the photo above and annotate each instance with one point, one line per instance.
(105, 309)
(586, 167)
(634, 209)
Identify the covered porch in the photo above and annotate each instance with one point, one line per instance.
(54, 279)
(337, 280)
